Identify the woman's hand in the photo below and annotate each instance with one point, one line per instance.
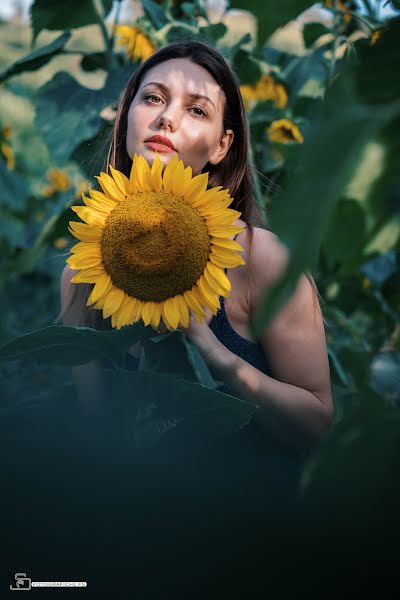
(199, 334)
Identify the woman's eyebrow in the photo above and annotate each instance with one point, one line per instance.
(194, 96)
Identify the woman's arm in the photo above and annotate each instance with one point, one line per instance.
(296, 403)
(89, 378)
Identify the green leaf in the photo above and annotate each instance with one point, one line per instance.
(179, 407)
(173, 353)
(94, 60)
(59, 345)
(273, 14)
(62, 124)
(376, 76)
(13, 189)
(213, 32)
(180, 32)
(379, 269)
(312, 32)
(337, 138)
(55, 15)
(155, 13)
(247, 68)
(37, 58)
(345, 238)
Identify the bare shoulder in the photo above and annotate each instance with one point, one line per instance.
(65, 282)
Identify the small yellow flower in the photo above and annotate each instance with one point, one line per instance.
(6, 132)
(375, 36)
(265, 89)
(139, 47)
(366, 283)
(59, 182)
(60, 242)
(284, 131)
(8, 154)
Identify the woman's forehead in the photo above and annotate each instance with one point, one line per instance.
(181, 74)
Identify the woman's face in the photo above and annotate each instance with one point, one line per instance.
(183, 105)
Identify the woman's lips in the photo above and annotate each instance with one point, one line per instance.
(159, 147)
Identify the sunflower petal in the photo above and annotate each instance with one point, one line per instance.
(156, 174)
(87, 275)
(219, 276)
(121, 180)
(170, 313)
(178, 186)
(83, 262)
(86, 248)
(112, 301)
(102, 286)
(147, 312)
(169, 175)
(210, 296)
(143, 174)
(229, 263)
(225, 231)
(84, 232)
(183, 310)
(197, 187)
(90, 216)
(227, 243)
(194, 303)
(110, 188)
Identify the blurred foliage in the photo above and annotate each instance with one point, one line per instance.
(325, 131)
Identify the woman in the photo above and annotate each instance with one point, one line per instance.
(185, 100)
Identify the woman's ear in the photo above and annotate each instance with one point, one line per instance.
(223, 147)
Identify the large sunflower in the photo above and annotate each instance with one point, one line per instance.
(155, 245)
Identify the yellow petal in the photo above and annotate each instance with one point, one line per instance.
(102, 286)
(85, 233)
(142, 174)
(147, 312)
(197, 187)
(156, 174)
(183, 310)
(225, 231)
(169, 174)
(178, 186)
(209, 295)
(170, 313)
(90, 216)
(121, 180)
(226, 243)
(219, 276)
(83, 262)
(112, 301)
(225, 262)
(87, 275)
(86, 247)
(194, 303)
(110, 188)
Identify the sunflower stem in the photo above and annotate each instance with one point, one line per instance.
(99, 11)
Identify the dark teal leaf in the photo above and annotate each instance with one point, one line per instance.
(155, 13)
(247, 68)
(61, 104)
(13, 189)
(273, 14)
(337, 138)
(180, 32)
(93, 61)
(73, 345)
(213, 32)
(37, 58)
(54, 15)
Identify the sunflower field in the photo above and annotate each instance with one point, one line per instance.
(321, 87)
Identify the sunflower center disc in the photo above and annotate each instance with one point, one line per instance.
(155, 246)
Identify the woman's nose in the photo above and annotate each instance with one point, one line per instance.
(168, 119)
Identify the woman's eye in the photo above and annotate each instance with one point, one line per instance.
(198, 111)
(152, 98)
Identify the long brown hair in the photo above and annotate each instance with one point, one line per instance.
(234, 172)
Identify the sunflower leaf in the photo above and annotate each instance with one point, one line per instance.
(155, 13)
(63, 345)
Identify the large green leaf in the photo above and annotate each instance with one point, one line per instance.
(273, 14)
(13, 189)
(174, 353)
(179, 407)
(155, 13)
(55, 15)
(73, 345)
(337, 139)
(37, 58)
(65, 125)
